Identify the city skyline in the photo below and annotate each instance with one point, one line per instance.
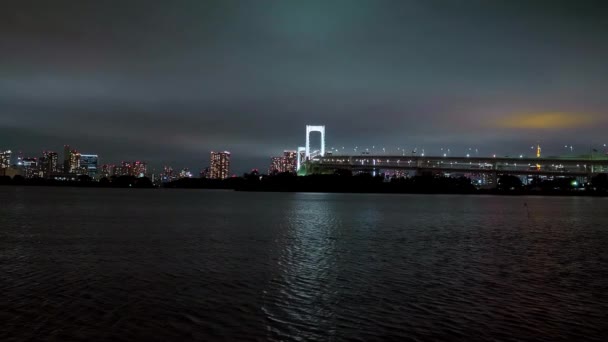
(532, 150)
(173, 82)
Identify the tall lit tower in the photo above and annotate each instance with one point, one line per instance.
(71, 160)
(220, 165)
(48, 162)
(301, 157)
(538, 151)
(310, 129)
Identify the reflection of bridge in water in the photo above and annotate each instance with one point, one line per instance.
(550, 166)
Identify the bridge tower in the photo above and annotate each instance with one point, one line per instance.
(301, 157)
(310, 129)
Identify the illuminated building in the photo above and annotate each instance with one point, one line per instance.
(136, 169)
(29, 162)
(74, 162)
(286, 163)
(5, 159)
(30, 166)
(140, 169)
(88, 164)
(276, 165)
(49, 163)
(290, 162)
(220, 165)
(71, 160)
(204, 173)
(185, 173)
(167, 175)
(108, 170)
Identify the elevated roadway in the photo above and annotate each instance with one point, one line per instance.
(549, 166)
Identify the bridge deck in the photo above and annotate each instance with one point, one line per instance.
(531, 166)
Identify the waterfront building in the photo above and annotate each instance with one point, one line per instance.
(108, 170)
(136, 169)
(140, 169)
(74, 162)
(71, 160)
(30, 167)
(220, 165)
(5, 159)
(288, 162)
(275, 165)
(48, 163)
(88, 164)
(167, 175)
(185, 173)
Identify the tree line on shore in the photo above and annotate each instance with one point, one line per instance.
(342, 181)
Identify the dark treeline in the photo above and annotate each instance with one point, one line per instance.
(364, 183)
(81, 181)
(205, 183)
(345, 182)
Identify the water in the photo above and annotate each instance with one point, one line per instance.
(159, 265)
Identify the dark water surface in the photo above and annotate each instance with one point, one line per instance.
(173, 265)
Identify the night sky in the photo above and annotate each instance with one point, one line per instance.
(168, 81)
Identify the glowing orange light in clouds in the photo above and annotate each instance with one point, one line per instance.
(546, 120)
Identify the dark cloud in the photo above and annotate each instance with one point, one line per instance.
(168, 81)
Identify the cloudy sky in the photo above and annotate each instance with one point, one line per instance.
(168, 81)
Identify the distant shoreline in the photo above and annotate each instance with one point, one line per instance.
(384, 188)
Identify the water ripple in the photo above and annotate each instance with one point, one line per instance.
(119, 265)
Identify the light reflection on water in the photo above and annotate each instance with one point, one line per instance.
(304, 292)
(109, 264)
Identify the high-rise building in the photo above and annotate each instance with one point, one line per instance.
(71, 160)
(276, 165)
(204, 173)
(30, 166)
(220, 165)
(136, 169)
(290, 161)
(5, 159)
(48, 163)
(108, 170)
(88, 164)
(286, 163)
(75, 162)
